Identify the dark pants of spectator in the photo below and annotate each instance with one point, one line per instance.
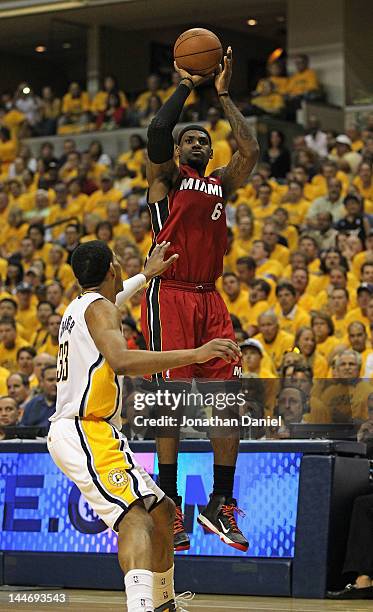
(359, 555)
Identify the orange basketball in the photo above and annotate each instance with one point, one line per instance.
(198, 51)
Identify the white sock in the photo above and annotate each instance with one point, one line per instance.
(163, 587)
(139, 590)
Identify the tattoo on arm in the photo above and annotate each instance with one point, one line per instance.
(236, 173)
(246, 141)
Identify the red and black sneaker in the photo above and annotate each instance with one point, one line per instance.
(218, 517)
(181, 538)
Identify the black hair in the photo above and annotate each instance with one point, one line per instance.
(263, 285)
(281, 135)
(49, 366)
(248, 261)
(191, 127)
(9, 300)
(6, 320)
(104, 224)
(14, 261)
(26, 349)
(90, 263)
(38, 226)
(43, 302)
(237, 325)
(286, 285)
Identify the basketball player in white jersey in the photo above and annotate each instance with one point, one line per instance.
(85, 439)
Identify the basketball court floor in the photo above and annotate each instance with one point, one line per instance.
(110, 601)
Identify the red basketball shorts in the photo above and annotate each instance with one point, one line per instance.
(178, 315)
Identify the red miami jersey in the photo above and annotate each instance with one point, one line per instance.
(192, 218)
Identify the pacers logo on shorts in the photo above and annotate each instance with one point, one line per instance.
(118, 477)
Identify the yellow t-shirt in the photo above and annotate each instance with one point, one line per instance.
(4, 374)
(145, 245)
(49, 347)
(98, 201)
(269, 267)
(220, 132)
(357, 315)
(326, 347)
(8, 152)
(320, 185)
(319, 365)
(75, 106)
(11, 237)
(281, 254)
(57, 213)
(297, 212)
(99, 102)
(143, 99)
(191, 99)
(276, 349)
(272, 103)
(366, 192)
(133, 160)
(351, 400)
(28, 319)
(8, 357)
(302, 82)
(340, 327)
(263, 212)
(291, 235)
(306, 302)
(221, 157)
(62, 273)
(38, 338)
(239, 308)
(229, 262)
(255, 311)
(292, 322)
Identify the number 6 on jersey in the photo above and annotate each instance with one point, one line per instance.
(217, 211)
(63, 361)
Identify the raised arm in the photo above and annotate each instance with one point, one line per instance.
(235, 174)
(103, 321)
(161, 169)
(155, 265)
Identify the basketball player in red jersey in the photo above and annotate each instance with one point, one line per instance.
(182, 308)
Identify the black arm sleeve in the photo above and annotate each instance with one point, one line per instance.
(160, 140)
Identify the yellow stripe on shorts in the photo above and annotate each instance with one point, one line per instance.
(109, 463)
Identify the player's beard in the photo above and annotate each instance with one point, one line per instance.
(197, 164)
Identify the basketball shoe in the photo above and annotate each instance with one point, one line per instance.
(218, 517)
(181, 538)
(177, 604)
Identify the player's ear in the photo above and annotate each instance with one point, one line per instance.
(111, 270)
(211, 153)
(177, 152)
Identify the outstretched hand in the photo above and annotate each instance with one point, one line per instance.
(195, 78)
(224, 75)
(156, 263)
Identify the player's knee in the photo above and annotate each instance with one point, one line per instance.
(164, 514)
(167, 509)
(136, 522)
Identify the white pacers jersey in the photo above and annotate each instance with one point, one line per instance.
(87, 387)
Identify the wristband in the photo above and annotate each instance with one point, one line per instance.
(188, 79)
(223, 93)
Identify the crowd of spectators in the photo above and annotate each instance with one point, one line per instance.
(26, 113)
(281, 95)
(298, 272)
